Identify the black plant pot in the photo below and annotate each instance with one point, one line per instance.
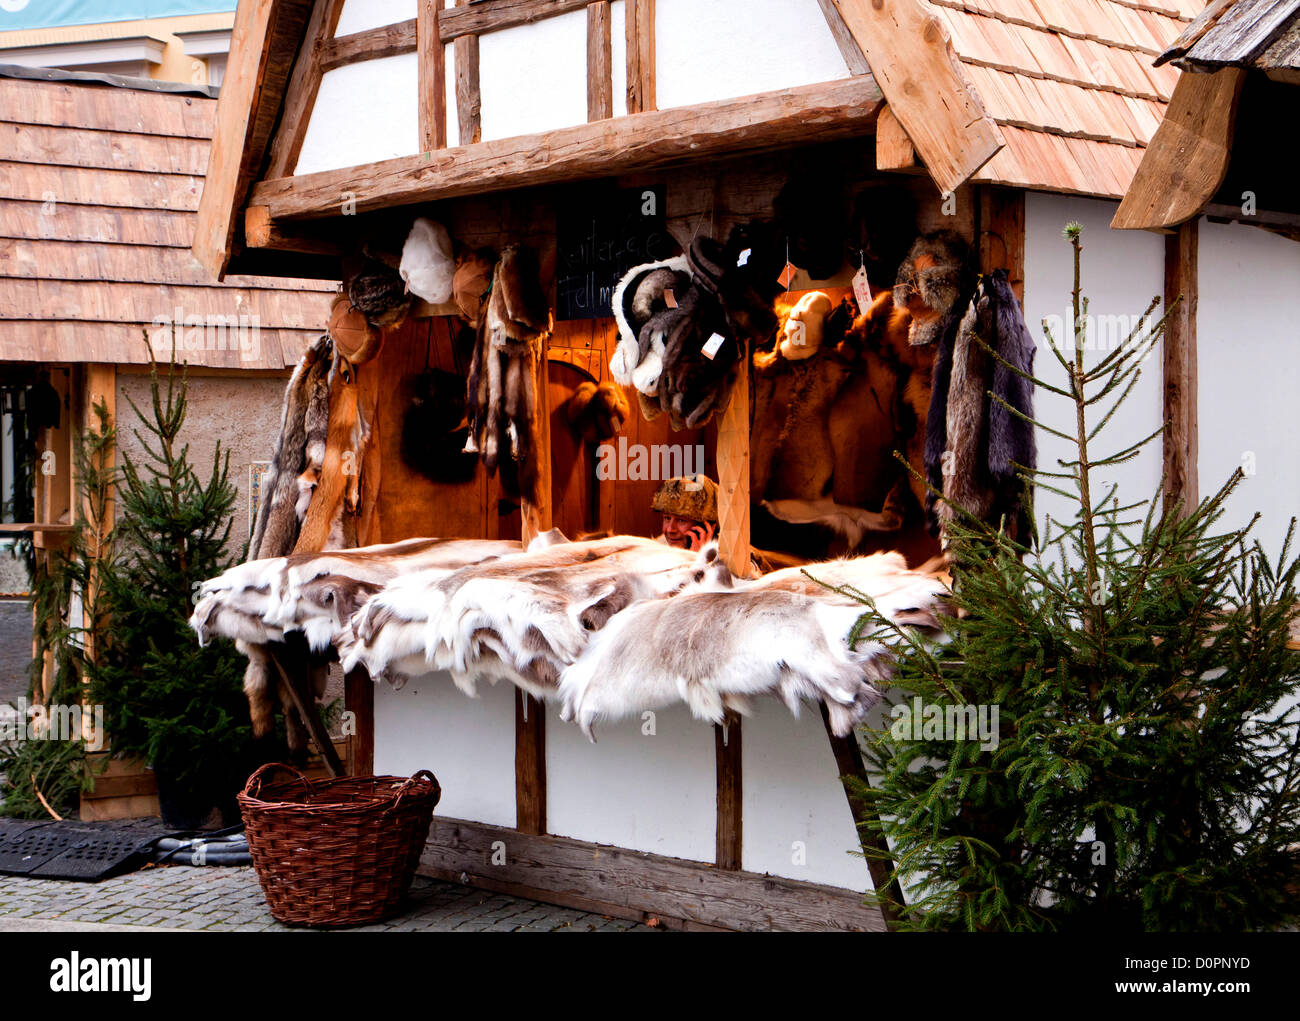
(203, 803)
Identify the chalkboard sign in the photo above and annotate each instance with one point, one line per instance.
(600, 235)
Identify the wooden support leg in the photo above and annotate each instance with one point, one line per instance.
(726, 743)
(530, 765)
(848, 760)
(310, 713)
(359, 700)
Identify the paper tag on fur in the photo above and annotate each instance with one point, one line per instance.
(862, 290)
(712, 345)
(787, 275)
(669, 298)
(744, 257)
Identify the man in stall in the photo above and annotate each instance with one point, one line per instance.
(689, 505)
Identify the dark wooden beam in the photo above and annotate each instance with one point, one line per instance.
(372, 44)
(1001, 229)
(827, 112)
(637, 884)
(600, 79)
(359, 700)
(433, 76)
(1180, 385)
(300, 96)
(260, 232)
(727, 753)
(848, 760)
(530, 764)
(639, 30)
(849, 48)
(469, 100)
(484, 16)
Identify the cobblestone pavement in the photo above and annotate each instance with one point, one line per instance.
(222, 899)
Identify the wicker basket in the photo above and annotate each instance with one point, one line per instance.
(336, 852)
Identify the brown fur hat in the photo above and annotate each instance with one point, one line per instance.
(937, 273)
(597, 412)
(688, 496)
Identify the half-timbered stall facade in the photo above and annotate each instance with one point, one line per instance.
(601, 244)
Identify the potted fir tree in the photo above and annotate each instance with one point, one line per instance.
(174, 704)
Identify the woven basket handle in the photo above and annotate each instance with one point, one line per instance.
(409, 783)
(253, 787)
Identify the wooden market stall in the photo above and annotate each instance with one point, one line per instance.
(335, 132)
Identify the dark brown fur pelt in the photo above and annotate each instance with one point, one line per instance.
(379, 291)
(501, 393)
(276, 528)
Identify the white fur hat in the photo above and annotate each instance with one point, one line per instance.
(428, 263)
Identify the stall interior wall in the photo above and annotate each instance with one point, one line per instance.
(1248, 328)
(647, 785)
(533, 78)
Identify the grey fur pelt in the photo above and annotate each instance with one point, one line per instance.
(276, 527)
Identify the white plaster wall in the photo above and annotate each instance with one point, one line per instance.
(364, 113)
(534, 77)
(1247, 335)
(728, 48)
(468, 743)
(793, 796)
(359, 15)
(652, 793)
(1122, 272)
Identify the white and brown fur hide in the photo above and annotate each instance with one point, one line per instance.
(522, 619)
(722, 640)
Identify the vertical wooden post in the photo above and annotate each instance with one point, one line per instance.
(600, 78)
(1180, 384)
(537, 518)
(468, 97)
(639, 25)
(432, 75)
(359, 700)
(848, 760)
(727, 753)
(733, 478)
(530, 764)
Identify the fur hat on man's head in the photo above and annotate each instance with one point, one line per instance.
(937, 273)
(694, 497)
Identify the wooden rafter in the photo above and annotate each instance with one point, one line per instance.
(469, 100)
(1187, 159)
(372, 44)
(432, 75)
(639, 29)
(828, 111)
(600, 56)
(911, 55)
(483, 16)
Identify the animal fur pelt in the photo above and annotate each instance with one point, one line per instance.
(596, 412)
(934, 282)
(434, 429)
(379, 291)
(276, 527)
(325, 483)
(638, 297)
(722, 640)
(985, 441)
(522, 619)
(501, 393)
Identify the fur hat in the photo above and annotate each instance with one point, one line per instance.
(694, 497)
(936, 275)
(354, 338)
(471, 281)
(639, 296)
(427, 263)
(805, 327)
(379, 291)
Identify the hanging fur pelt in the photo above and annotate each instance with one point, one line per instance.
(722, 640)
(986, 441)
(501, 398)
(521, 619)
(276, 527)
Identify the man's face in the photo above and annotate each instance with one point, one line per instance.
(687, 534)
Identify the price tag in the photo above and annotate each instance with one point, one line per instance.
(787, 275)
(744, 257)
(862, 290)
(670, 299)
(712, 345)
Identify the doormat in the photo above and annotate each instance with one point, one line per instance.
(76, 850)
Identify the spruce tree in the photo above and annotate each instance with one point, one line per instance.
(167, 700)
(1147, 770)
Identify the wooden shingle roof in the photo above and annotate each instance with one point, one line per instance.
(1070, 82)
(99, 188)
(1263, 35)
